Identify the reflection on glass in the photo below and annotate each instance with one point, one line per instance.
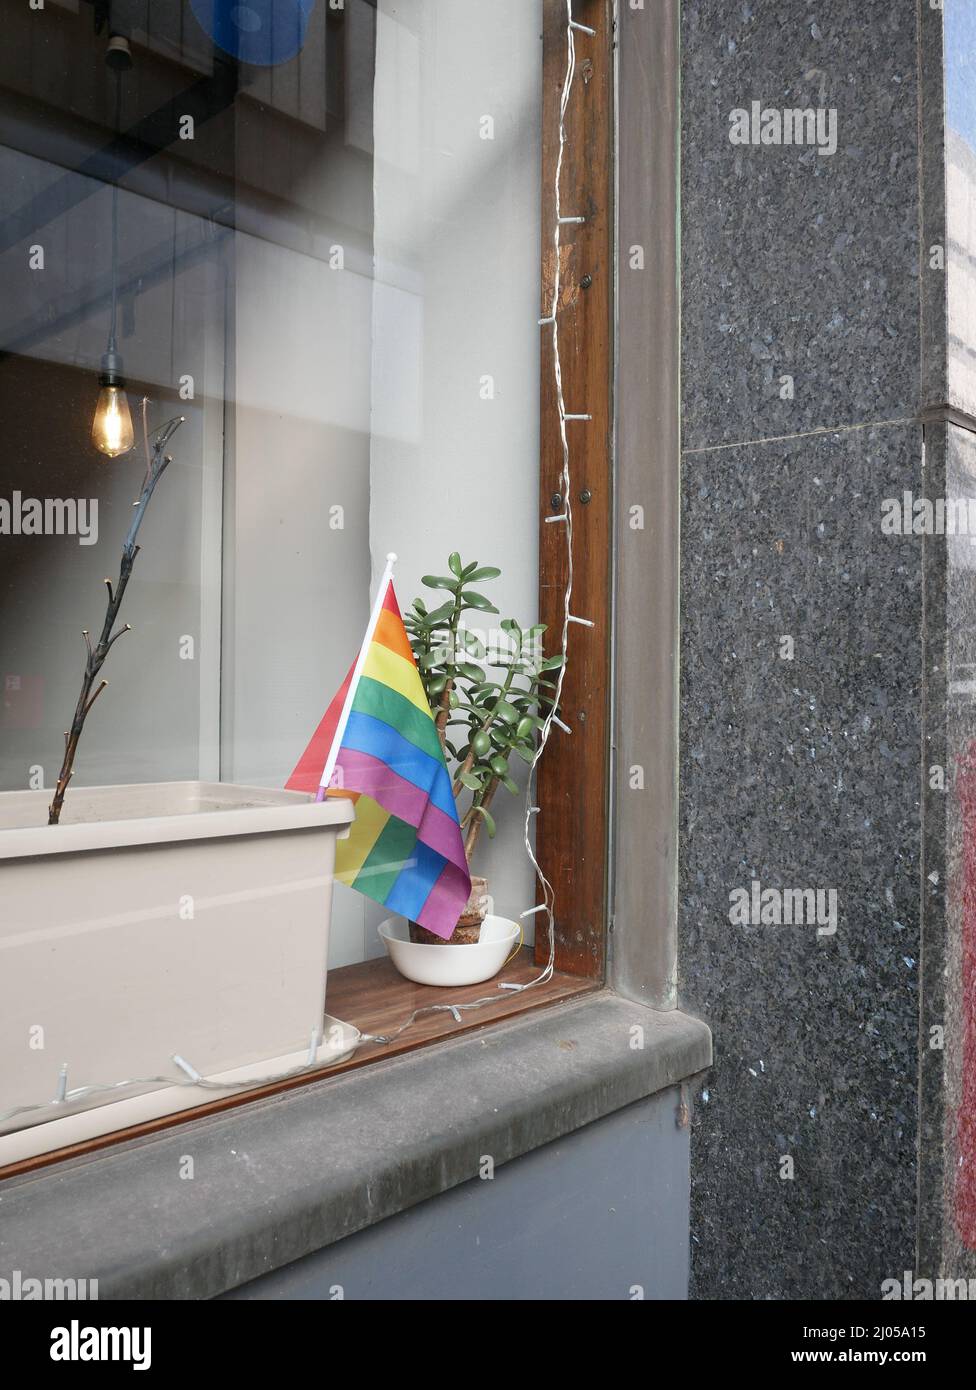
(316, 238)
(960, 192)
(311, 233)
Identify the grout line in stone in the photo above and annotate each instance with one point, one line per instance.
(803, 434)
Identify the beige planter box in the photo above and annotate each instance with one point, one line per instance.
(177, 917)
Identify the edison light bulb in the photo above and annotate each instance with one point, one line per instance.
(112, 426)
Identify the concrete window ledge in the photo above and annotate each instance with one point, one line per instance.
(278, 1179)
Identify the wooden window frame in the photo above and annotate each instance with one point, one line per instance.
(573, 830)
(573, 792)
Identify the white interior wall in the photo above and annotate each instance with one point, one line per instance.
(296, 573)
(457, 235)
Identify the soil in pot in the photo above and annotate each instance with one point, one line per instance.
(468, 929)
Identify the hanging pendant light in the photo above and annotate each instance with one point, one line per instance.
(112, 433)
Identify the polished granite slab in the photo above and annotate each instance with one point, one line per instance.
(800, 770)
(825, 290)
(801, 308)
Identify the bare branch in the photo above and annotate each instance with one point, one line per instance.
(95, 696)
(156, 463)
(165, 432)
(145, 441)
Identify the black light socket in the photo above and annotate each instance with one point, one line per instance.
(118, 54)
(112, 369)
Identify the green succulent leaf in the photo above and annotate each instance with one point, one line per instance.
(493, 718)
(440, 615)
(488, 819)
(471, 599)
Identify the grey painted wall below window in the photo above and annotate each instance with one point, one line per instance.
(601, 1214)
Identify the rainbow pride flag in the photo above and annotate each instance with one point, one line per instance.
(378, 744)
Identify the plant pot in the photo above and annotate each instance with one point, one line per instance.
(175, 917)
(445, 964)
(468, 929)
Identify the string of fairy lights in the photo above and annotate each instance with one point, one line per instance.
(546, 908)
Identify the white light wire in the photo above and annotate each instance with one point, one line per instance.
(549, 897)
(548, 894)
(65, 1096)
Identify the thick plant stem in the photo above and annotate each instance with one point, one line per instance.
(475, 823)
(444, 712)
(156, 466)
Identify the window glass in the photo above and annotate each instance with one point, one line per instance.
(307, 234)
(318, 241)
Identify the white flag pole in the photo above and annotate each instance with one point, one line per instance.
(374, 618)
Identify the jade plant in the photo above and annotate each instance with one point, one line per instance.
(488, 697)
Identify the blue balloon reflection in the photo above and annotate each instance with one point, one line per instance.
(263, 32)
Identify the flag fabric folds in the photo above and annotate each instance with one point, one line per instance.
(405, 849)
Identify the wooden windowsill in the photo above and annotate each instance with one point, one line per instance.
(376, 999)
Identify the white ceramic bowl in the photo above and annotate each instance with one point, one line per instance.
(449, 965)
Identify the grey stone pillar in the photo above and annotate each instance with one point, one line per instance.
(828, 644)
